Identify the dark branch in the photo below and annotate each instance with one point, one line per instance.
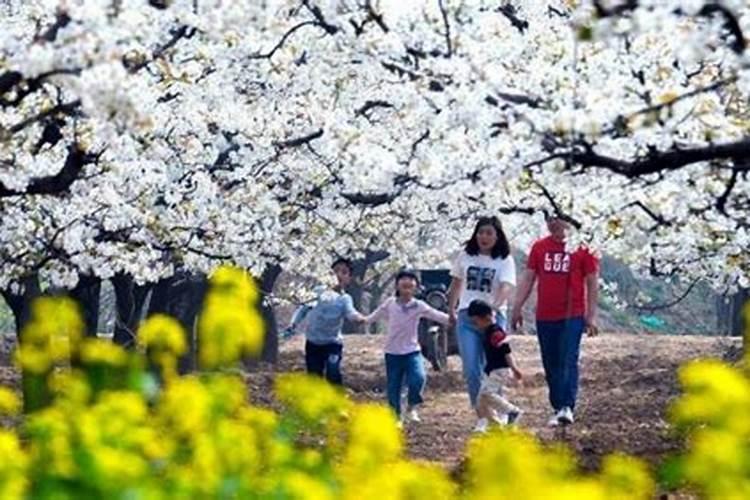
(532, 102)
(68, 108)
(658, 161)
(370, 105)
(177, 35)
(299, 141)
(61, 21)
(448, 44)
(60, 182)
(283, 40)
(659, 219)
(318, 14)
(721, 202)
(666, 305)
(730, 23)
(509, 11)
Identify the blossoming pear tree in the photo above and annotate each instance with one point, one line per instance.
(142, 140)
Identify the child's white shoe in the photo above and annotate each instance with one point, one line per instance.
(481, 426)
(499, 419)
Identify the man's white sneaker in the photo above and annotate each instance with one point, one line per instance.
(565, 416)
(413, 416)
(554, 420)
(481, 426)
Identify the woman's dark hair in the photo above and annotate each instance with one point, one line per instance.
(501, 248)
(406, 274)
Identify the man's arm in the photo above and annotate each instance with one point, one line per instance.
(351, 313)
(592, 301)
(528, 278)
(298, 317)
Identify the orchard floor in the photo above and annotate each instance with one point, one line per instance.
(627, 382)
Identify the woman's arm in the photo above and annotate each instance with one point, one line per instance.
(454, 293)
(502, 294)
(522, 294)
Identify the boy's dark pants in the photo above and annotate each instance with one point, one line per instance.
(324, 359)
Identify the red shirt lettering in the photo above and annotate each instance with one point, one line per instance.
(561, 290)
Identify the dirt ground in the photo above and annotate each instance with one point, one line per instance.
(627, 382)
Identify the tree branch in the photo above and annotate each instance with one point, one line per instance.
(658, 161)
(448, 43)
(75, 162)
(299, 141)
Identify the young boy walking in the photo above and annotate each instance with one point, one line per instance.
(325, 318)
(403, 355)
(492, 405)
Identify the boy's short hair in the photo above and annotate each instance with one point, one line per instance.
(407, 274)
(479, 308)
(344, 261)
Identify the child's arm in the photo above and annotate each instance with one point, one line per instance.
(512, 365)
(380, 313)
(351, 313)
(433, 314)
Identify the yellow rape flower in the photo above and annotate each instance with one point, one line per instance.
(185, 407)
(230, 325)
(9, 402)
(162, 333)
(70, 388)
(13, 480)
(52, 333)
(233, 282)
(715, 393)
(375, 443)
(96, 351)
(305, 487)
(228, 332)
(312, 398)
(626, 478)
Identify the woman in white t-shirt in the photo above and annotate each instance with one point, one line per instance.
(484, 270)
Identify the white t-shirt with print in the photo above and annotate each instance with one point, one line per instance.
(481, 276)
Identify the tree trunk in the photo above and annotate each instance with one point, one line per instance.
(736, 320)
(181, 296)
(729, 313)
(270, 352)
(130, 298)
(87, 293)
(20, 304)
(268, 280)
(356, 289)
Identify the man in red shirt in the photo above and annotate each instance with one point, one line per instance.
(567, 295)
